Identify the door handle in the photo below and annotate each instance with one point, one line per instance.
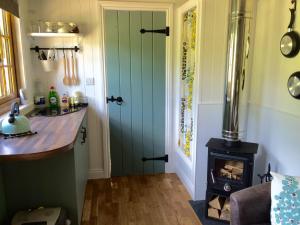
(84, 134)
(212, 176)
(119, 100)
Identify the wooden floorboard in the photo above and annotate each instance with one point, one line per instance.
(138, 200)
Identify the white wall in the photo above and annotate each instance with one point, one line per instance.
(83, 12)
(212, 75)
(274, 116)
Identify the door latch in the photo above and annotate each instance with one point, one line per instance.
(163, 158)
(165, 31)
(119, 100)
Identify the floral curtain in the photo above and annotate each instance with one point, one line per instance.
(187, 75)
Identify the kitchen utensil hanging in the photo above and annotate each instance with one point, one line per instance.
(70, 72)
(49, 63)
(77, 81)
(66, 79)
(294, 85)
(73, 77)
(70, 65)
(290, 43)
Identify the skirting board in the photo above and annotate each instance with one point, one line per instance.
(186, 182)
(96, 174)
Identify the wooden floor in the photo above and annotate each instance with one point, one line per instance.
(138, 200)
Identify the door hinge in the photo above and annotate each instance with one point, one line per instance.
(160, 31)
(163, 158)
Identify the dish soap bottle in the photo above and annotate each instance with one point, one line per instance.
(53, 98)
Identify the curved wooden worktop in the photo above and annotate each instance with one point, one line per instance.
(55, 134)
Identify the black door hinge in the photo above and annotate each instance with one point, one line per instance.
(160, 31)
(163, 158)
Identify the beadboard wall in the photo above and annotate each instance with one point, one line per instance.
(85, 14)
(274, 116)
(212, 75)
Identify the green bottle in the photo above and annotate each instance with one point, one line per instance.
(53, 98)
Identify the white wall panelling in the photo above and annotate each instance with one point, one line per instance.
(278, 135)
(274, 116)
(85, 14)
(212, 73)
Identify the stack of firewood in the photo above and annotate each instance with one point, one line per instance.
(232, 170)
(219, 208)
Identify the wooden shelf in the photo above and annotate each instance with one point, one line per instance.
(66, 35)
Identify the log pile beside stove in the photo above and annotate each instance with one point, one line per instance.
(219, 208)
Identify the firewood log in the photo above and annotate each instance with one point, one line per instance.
(214, 213)
(236, 164)
(226, 205)
(225, 215)
(234, 170)
(225, 173)
(216, 203)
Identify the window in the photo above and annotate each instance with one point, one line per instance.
(8, 83)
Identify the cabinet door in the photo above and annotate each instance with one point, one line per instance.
(81, 166)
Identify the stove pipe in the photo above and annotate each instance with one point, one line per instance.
(236, 81)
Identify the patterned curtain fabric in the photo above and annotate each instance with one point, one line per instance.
(188, 55)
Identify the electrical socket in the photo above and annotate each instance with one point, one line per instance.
(90, 81)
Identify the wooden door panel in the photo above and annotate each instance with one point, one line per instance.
(135, 65)
(136, 90)
(147, 84)
(159, 71)
(113, 74)
(125, 90)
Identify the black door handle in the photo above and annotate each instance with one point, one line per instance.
(119, 100)
(84, 135)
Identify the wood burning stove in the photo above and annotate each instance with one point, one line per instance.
(230, 169)
(230, 161)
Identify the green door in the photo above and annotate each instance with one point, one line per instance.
(135, 67)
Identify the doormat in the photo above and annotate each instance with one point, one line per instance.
(199, 209)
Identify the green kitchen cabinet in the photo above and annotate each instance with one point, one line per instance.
(57, 181)
(2, 200)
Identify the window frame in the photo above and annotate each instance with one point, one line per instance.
(7, 100)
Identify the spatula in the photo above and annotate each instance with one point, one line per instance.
(66, 77)
(73, 76)
(75, 70)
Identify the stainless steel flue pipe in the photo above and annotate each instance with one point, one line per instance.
(237, 74)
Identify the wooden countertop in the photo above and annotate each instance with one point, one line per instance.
(55, 134)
